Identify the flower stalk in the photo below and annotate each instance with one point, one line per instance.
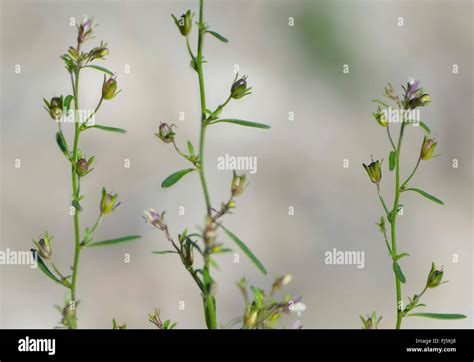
(413, 97)
(76, 60)
(205, 242)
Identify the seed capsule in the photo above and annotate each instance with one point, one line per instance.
(44, 245)
(55, 107)
(108, 202)
(427, 148)
(374, 171)
(82, 167)
(109, 89)
(239, 88)
(238, 184)
(184, 23)
(380, 117)
(165, 133)
(434, 277)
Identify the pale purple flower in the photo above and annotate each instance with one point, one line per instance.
(413, 87)
(154, 218)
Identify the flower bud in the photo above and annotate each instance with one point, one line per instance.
(425, 99)
(108, 202)
(374, 171)
(420, 101)
(109, 88)
(380, 117)
(184, 23)
(434, 277)
(427, 148)
(238, 184)
(239, 88)
(84, 31)
(44, 246)
(154, 218)
(413, 87)
(165, 133)
(99, 52)
(82, 167)
(281, 281)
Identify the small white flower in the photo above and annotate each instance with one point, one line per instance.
(298, 308)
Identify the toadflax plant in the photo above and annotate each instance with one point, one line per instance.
(204, 242)
(406, 113)
(62, 111)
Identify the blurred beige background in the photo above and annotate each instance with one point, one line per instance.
(291, 69)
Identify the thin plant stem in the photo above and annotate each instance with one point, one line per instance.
(208, 299)
(383, 203)
(412, 174)
(390, 137)
(393, 223)
(77, 249)
(84, 124)
(96, 223)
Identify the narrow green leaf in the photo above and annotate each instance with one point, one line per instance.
(424, 126)
(98, 67)
(61, 141)
(218, 36)
(108, 129)
(259, 296)
(163, 252)
(398, 272)
(438, 315)
(44, 268)
(190, 148)
(391, 160)
(243, 123)
(427, 195)
(399, 256)
(67, 102)
(175, 177)
(114, 241)
(77, 205)
(245, 249)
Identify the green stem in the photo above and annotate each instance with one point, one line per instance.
(208, 299)
(387, 213)
(84, 124)
(412, 174)
(96, 223)
(393, 223)
(77, 249)
(202, 92)
(189, 49)
(390, 137)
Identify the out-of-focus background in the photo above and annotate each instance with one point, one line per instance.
(296, 69)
